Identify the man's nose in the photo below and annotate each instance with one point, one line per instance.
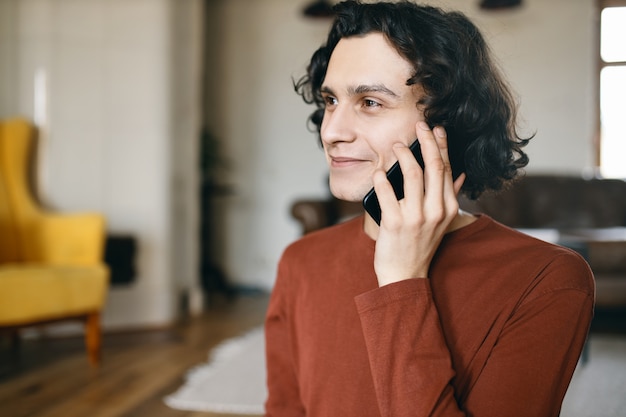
(338, 125)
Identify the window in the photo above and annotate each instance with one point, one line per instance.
(612, 152)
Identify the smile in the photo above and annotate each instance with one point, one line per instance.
(344, 162)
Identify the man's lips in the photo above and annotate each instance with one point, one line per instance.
(344, 161)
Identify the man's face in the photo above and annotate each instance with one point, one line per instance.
(369, 107)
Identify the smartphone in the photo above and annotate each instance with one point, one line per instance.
(394, 175)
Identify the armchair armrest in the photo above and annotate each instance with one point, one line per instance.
(74, 239)
(317, 214)
(311, 214)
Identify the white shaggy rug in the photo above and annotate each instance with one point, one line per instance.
(233, 381)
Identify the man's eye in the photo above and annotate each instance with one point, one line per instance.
(370, 103)
(330, 101)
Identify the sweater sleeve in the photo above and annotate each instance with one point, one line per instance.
(283, 393)
(410, 363)
(526, 373)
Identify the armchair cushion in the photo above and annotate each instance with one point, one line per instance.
(36, 293)
(8, 238)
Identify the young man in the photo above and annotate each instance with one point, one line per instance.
(435, 312)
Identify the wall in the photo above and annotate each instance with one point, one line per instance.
(120, 125)
(254, 50)
(120, 131)
(545, 48)
(548, 51)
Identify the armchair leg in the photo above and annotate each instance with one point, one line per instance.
(93, 338)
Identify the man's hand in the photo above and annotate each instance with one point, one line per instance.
(411, 229)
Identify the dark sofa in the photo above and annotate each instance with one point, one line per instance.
(589, 213)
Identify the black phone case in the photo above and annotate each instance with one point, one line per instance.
(394, 175)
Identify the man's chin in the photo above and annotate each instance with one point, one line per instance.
(348, 194)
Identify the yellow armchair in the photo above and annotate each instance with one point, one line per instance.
(51, 265)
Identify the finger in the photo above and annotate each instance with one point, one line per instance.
(386, 196)
(441, 138)
(430, 148)
(413, 175)
(434, 167)
(458, 183)
(451, 188)
(442, 141)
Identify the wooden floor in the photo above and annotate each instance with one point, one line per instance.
(51, 378)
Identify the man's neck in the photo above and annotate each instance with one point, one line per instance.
(462, 219)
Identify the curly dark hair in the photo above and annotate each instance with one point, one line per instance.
(463, 89)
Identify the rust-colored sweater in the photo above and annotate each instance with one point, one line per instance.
(496, 330)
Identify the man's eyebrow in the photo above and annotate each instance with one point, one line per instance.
(363, 89)
(371, 88)
(327, 90)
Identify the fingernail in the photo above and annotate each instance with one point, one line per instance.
(440, 131)
(423, 126)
